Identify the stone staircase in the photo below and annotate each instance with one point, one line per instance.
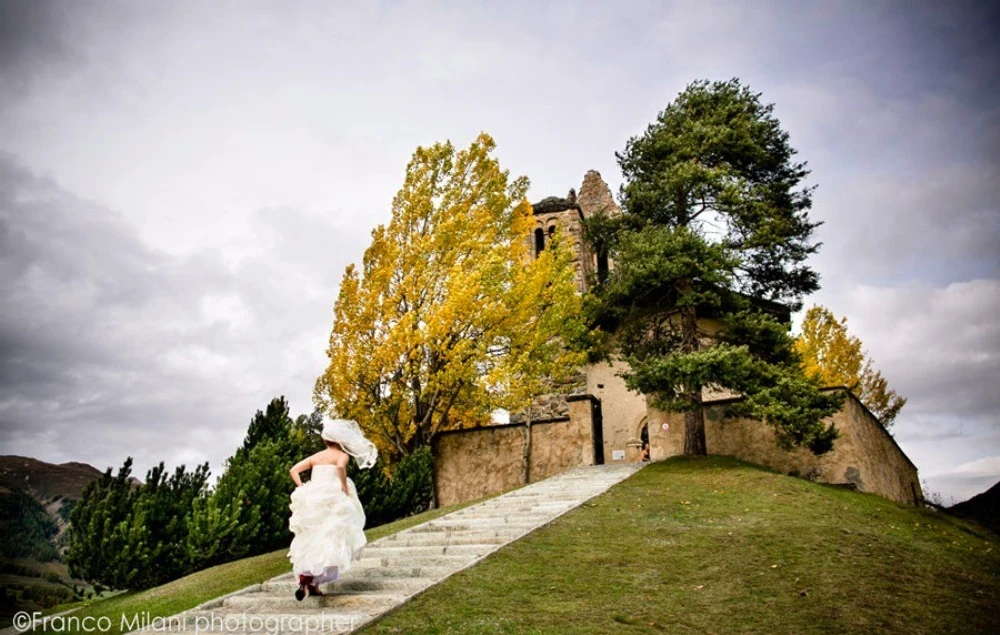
(393, 569)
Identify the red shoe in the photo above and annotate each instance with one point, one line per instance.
(305, 582)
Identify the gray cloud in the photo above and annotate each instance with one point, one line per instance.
(940, 348)
(31, 33)
(935, 225)
(108, 345)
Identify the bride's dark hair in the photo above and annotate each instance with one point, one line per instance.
(334, 444)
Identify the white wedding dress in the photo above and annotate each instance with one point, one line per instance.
(328, 526)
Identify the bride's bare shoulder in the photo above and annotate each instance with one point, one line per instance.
(329, 456)
(320, 458)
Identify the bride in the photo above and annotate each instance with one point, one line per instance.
(327, 518)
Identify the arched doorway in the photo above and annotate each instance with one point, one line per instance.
(644, 439)
(638, 440)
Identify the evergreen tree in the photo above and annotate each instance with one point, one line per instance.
(247, 512)
(158, 536)
(305, 433)
(98, 522)
(401, 490)
(130, 536)
(715, 225)
(219, 531)
(273, 424)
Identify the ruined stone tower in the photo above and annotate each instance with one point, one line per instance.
(554, 214)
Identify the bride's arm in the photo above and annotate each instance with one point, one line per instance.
(301, 466)
(342, 472)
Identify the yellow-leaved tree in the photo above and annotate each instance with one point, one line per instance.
(836, 358)
(449, 317)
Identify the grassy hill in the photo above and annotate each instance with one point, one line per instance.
(712, 545)
(708, 545)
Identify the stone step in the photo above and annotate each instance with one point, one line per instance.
(266, 602)
(361, 569)
(558, 484)
(402, 586)
(463, 537)
(492, 517)
(443, 539)
(560, 490)
(408, 560)
(518, 508)
(522, 517)
(375, 570)
(477, 524)
(523, 500)
(384, 550)
(473, 524)
(515, 508)
(540, 499)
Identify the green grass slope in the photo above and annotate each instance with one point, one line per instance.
(712, 545)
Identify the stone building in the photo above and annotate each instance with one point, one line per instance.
(596, 419)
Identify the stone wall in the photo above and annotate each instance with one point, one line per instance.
(561, 445)
(472, 463)
(554, 406)
(477, 462)
(865, 456)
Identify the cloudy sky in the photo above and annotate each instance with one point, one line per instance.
(183, 183)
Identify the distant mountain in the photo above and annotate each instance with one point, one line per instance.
(46, 481)
(36, 499)
(983, 508)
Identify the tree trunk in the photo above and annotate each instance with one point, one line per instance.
(694, 428)
(694, 419)
(526, 454)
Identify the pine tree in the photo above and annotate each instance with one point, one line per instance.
(273, 424)
(130, 536)
(220, 530)
(247, 512)
(98, 522)
(715, 227)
